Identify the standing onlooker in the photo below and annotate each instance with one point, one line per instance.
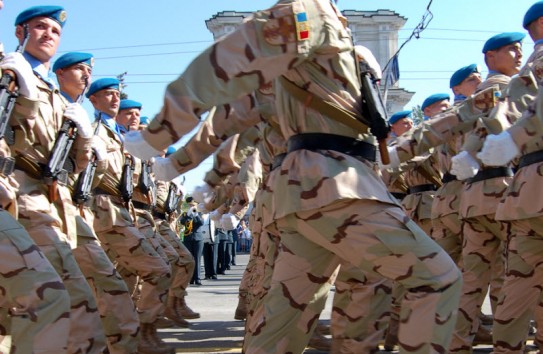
(248, 238)
(192, 220)
(211, 244)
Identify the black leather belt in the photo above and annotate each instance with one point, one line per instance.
(140, 205)
(398, 195)
(339, 143)
(278, 160)
(422, 188)
(7, 165)
(448, 177)
(531, 158)
(35, 170)
(491, 172)
(159, 215)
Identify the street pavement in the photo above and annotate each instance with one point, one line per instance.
(216, 331)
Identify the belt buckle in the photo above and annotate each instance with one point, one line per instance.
(7, 165)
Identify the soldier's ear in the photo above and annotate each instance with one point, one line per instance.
(19, 33)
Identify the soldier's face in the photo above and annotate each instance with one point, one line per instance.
(129, 118)
(508, 59)
(106, 101)
(401, 126)
(44, 38)
(469, 85)
(72, 80)
(436, 108)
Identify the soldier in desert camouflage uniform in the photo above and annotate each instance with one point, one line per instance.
(114, 221)
(117, 311)
(483, 236)
(520, 298)
(46, 209)
(144, 201)
(39, 320)
(322, 218)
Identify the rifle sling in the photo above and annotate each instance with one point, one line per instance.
(327, 108)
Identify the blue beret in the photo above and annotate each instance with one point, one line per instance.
(73, 58)
(170, 150)
(144, 120)
(56, 13)
(434, 98)
(101, 84)
(502, 39)
(534, 12)
(399, 115)
(462, 73)
(128, 104)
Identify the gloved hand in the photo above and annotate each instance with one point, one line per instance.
(202, 208)
(26, 80)
(164, 169)
(464, 166)
(498, 150)
(137, 146)
(229, 221)
(99, 149)
(203, 193)
(77, 114)
(394, 159)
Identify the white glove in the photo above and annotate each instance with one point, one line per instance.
(229, 221)
(394, 159)
(26, 80)
(498, 150)
(137, 146)
(215, 215)
(203, 193)
(99, 149)
(192, 212)
(464, 166)
(77, 114)
(164, 169)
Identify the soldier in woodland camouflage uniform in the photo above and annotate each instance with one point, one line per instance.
(46, 209)
(483, 236)
(117, 311)
(521, 206)
(32, 291)
(114, 221)
(328, 206)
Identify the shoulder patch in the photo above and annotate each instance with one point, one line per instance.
(302, 26)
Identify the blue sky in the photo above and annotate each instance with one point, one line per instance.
(154, 41)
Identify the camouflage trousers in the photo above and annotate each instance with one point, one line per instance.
(184, 263)
(482, 266)
(360, 310)
(147, 226)
(134, 255)
(521, 296)
(117, 311)
(447, 232)
(36, 301)
(375, 237)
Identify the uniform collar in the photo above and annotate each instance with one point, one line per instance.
(40, 70)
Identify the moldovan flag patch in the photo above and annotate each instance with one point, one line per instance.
(302, 26)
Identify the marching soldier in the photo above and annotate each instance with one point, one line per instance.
(117, 311)
(322, 220)
(114, 219)
(39, 320)
(46, 209)
(484, 237)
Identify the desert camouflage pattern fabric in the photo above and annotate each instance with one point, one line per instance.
(51, 223)
(124, 244)
(117, 310)
(37, 302)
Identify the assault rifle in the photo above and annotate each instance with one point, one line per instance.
(83, 186)
(127, 186)
(374, 109)
(58, 160)
(170, 205)
(146, 184)
(9, 93)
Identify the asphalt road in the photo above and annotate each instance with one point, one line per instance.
(216, 331)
